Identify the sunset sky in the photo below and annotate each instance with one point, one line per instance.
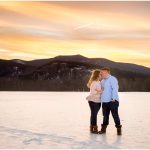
(118, 31)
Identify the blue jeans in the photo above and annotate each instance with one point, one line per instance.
(94, 107)
(113, 108)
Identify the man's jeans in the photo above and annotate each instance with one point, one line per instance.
(113, 108)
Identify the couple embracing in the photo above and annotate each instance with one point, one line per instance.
(103, 91)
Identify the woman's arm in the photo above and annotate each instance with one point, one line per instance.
(95, 88)
(98, 88)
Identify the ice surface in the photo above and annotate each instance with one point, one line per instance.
(61, 120)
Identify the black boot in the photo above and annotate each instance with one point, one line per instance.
(119, 131)
(103, 129)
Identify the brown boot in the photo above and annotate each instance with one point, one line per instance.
(119, 131)
(91, 128)
(103, 129)
(95, 129)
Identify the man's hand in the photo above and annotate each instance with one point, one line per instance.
(113, 100)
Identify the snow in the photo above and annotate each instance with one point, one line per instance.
(61, 120)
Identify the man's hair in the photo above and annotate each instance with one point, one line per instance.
(106, 69)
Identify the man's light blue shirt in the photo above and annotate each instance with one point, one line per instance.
(110, 87)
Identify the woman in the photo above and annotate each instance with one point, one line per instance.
(94, 99)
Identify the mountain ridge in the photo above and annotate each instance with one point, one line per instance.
(68, 73)
(78, 55)
(96, 61)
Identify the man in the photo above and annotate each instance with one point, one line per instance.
(110, 100)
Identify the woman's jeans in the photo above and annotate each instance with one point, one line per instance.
(94, 107)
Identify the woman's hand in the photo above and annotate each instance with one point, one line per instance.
(99, 91)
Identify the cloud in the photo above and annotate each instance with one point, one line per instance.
(83, 26)
(26, 56)
(30, 32)
(4, 50)
(92, 28)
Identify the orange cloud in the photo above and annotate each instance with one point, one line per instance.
(113, 30)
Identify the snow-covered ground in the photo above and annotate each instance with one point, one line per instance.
(61, 120)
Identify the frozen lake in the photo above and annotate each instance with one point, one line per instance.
(61, 120)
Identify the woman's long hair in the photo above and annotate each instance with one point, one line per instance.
(94, 77)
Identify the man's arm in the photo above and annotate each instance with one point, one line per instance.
(115, 87)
